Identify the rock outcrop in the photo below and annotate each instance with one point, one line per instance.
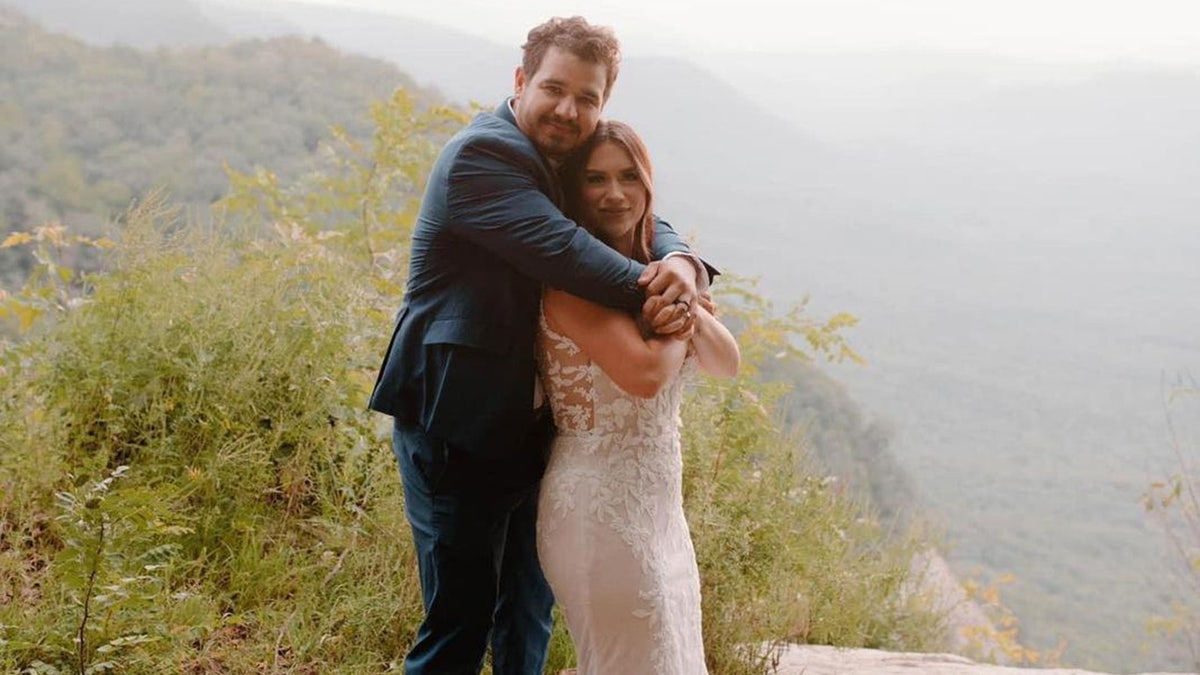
(821, 660)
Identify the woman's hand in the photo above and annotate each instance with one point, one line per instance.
(670, 296)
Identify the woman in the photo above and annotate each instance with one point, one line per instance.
(612, 538)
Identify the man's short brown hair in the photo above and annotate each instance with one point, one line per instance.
(594, 44)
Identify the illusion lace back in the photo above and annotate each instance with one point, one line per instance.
(612, 537)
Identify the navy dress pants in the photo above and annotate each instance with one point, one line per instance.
(475, 538)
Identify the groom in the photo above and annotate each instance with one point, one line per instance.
(471, 426)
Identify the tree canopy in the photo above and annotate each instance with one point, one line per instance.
(84, 130)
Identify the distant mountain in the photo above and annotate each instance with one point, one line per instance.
(242, 23)
(1037, 149)
(86, 129)
(861, 94)
(462, 67)
(134, 23)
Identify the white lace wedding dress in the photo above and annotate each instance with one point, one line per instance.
(612, 538)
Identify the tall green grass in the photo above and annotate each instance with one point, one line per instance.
(785, 554)
(211, 371)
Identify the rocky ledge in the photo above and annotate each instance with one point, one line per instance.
(820, 660)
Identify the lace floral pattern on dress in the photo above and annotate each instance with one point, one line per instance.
(622, 454)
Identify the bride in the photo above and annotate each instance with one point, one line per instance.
(612, 538)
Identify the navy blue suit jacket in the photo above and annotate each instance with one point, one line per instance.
(489, 235)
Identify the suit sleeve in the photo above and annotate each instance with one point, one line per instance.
(495, 202)
(666, 241)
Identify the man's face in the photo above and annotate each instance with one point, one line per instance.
(558, 106)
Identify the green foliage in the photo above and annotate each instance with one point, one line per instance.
(107, 574)
(55, 284)
(843, 439)
(214, 368)
(840, 439)
(785, 555)
(998, 640)
(367, 195)
(767, 337)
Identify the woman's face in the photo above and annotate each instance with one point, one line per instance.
(614, 199)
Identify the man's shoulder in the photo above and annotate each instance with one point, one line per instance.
(488, 126)
(492, 135)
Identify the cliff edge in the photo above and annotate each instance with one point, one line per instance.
(822, 660)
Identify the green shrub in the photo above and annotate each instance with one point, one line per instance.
(211, 371)
(1173, 502)
(785, 554)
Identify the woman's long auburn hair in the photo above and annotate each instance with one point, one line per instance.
(623, 136)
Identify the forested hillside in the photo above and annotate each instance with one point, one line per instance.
(84, 130)
(850, 443)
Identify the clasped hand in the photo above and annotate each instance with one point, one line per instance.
(671, 297)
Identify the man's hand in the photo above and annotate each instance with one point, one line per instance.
(668, 318)
(670, 295)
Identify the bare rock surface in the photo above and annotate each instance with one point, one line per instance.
(822, 660)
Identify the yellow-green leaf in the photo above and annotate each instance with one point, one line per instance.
(16, 239)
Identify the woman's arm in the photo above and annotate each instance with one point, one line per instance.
(715, 346)
(612, 340)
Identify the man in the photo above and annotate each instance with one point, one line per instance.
(471, 432)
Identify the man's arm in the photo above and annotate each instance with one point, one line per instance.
(494, 201)
(673, 283)
(668, 244)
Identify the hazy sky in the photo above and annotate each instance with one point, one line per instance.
(1158, 30)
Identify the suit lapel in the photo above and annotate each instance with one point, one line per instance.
(556, 190)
